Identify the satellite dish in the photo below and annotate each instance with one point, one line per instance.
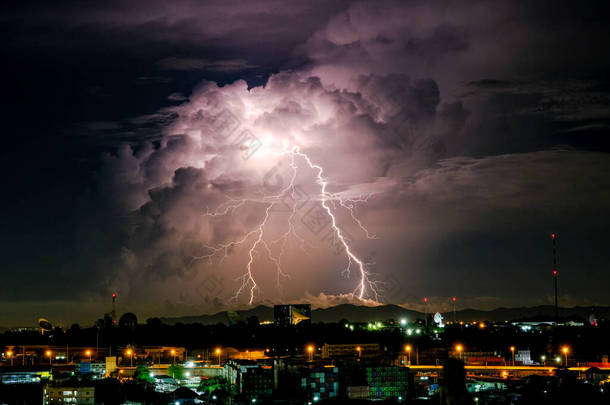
(44, 324)
(438, 318)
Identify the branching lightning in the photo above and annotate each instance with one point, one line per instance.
(255, 239)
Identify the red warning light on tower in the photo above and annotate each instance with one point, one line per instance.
(453, 299)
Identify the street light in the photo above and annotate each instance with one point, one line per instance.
(408, 350)
(359, 350)
(9, 354)
(310, 351)
(129, 352)
(565, 351)
(459, 349)
(512, 349)
(218, 352)
(543, 359)
(88, 353)
(49, 353)
(173, 353)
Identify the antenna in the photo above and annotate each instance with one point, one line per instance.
(555, 274)
(426, 310)
(113, 313)
(454, 299)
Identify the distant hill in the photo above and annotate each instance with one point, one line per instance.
(356, 313)
(263, 313)
(542, 312)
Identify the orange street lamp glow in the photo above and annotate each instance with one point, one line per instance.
(408, 350)
(459, 349)
(565, 351)
(310, 351)
(512, 349)
(130, 354)
(49, 353)
(218, 352)
(88, 353)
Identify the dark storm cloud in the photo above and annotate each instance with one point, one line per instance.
(449, 113)
(230, 65)
(577, 104)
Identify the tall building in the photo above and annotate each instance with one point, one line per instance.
(292, 314)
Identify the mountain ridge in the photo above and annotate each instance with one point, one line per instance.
(362, 313)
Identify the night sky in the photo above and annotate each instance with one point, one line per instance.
(461, 134)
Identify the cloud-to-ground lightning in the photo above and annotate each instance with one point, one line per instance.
(352, 258)
(366, 287)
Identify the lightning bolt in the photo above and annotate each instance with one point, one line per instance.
(365, 288)
(365, 283)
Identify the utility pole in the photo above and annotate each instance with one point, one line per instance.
(555, 275)
(454, 299)
(113, 312)
(426, 311)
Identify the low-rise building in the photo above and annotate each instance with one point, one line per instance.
(321, 382)
(24, 375)
(349, 350)
(257, 381)
(250, 377)
(387, 381)
(95, 370)
(68, 395)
